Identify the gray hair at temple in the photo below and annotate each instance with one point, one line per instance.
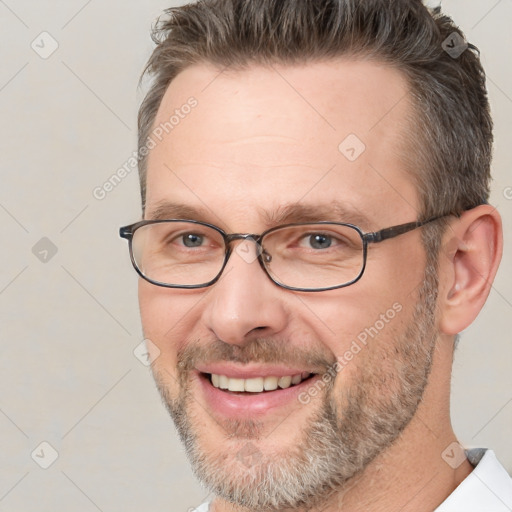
(449, 135)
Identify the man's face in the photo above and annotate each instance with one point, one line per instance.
(260, 143)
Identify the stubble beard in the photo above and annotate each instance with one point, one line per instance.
(346, 433)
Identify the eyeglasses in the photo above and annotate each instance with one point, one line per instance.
(306, 257)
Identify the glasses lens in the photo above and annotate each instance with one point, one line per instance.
(313, 256)
(178, 253)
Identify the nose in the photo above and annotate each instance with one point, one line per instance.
(244, 303)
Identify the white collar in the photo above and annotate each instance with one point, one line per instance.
(488, 488)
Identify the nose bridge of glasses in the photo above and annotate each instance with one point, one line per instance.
(242, 236)
(244, 249)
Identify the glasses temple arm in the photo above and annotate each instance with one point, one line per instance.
(126, 232)
(387, 233)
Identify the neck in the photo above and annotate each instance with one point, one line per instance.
(416, 480)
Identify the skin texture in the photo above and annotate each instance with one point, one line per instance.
(258, 140)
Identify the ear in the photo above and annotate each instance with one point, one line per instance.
(468, 263)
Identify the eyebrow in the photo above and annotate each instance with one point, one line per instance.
(164, 210)
(334, 211)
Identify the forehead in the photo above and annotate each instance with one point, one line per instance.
(263, 137)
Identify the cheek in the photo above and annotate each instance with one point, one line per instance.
(366, 344)
(340, 320)
(368, 316)
(168, 319)
(399, 270)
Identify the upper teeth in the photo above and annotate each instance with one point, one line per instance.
(257, 384)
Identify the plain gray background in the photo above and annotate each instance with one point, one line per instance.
(69, 316)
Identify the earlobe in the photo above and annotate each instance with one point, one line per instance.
(473, 249)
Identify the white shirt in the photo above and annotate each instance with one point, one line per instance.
(488, 488)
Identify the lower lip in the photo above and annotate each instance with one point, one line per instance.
(234, 405)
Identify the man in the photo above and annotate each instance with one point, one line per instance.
(316, 232)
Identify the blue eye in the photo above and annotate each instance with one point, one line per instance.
(319, 241)
(192, 240)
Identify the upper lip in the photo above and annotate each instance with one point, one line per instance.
(251, 370)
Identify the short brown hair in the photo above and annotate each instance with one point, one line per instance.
(452, 132)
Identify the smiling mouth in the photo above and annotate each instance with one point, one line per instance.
(256, 384)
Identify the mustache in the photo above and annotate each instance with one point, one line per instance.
(259, 350)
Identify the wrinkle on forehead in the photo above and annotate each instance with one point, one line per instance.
(270, 137)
